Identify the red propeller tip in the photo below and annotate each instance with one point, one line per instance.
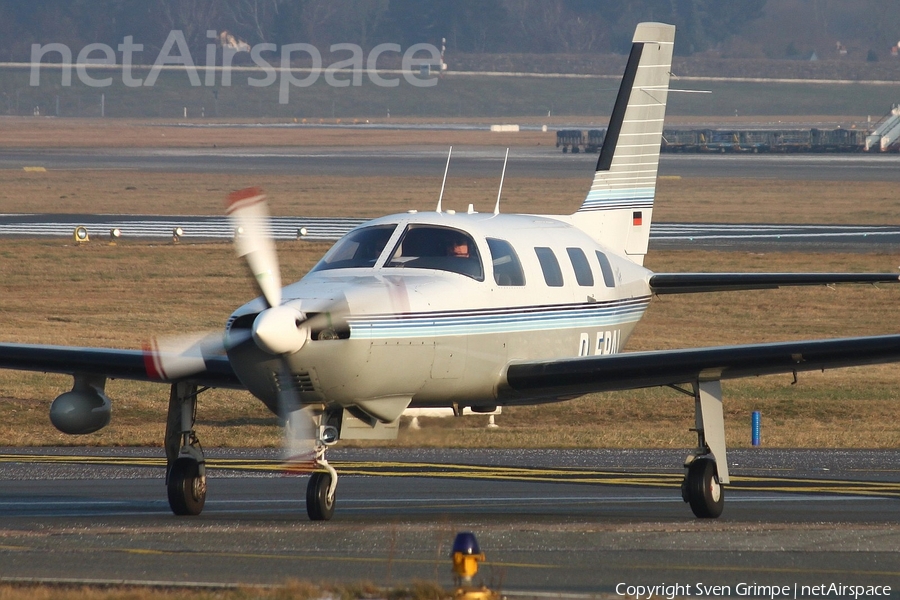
(151, 360)
(244, 197)
(299, 465)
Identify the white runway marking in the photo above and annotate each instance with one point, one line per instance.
(328, 229)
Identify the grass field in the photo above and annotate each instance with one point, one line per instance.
(678, 199)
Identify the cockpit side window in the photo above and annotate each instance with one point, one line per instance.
(360, 248)
(507, 268)
(441, 248)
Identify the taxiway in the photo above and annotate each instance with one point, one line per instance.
(567, 521)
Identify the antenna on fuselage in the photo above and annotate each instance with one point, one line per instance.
(500, 191)
(444, 182)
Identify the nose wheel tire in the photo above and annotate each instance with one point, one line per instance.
(187, 487)
(319, 506)
(703, 490)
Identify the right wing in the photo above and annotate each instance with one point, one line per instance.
(529, 381)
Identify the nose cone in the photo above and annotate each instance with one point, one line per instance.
(280, 330)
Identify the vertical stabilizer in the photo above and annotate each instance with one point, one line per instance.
(618, 209)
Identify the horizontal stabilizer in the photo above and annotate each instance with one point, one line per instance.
(689, 283)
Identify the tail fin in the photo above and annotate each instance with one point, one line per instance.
(618, 208)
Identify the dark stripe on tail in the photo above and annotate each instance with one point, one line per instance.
(618, 114)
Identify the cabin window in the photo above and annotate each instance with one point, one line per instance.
(583, 274)
(608, 278)
(360, 248)
(507, 268)
(440, 248)
(550, 266)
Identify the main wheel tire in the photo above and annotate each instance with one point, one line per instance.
(705, 494)
(187, 487)
(319, 506)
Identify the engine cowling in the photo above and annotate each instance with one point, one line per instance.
(83, 410)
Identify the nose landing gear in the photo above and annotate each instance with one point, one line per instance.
(321, 489)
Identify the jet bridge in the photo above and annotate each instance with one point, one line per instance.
(886, 133)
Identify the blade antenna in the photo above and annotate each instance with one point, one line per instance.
(444, 182)
(500, 191)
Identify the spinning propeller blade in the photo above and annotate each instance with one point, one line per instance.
(174, 357)
(279, 330)
(299, 426)
(253, 240)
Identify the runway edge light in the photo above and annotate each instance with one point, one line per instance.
(80, 235)
(466, 556)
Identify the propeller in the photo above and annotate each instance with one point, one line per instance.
(299, 426)
(280, 329)
(174, 357)
(253, 240)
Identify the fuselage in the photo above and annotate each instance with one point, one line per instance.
(428, 309)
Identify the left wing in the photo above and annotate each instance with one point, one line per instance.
(109, 362)
(687, 283)
(526, 381)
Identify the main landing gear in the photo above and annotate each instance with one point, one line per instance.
(185, 464)
(706, 468)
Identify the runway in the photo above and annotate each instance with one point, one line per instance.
(549, 521)
(467, 161)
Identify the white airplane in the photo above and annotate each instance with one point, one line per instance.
(443, 309)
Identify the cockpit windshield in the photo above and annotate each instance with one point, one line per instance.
(360, 248)
(441, 248)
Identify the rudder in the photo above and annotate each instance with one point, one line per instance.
(618, 208)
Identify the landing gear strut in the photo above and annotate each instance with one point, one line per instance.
(707, 467)
(321, 489)
(185, 464)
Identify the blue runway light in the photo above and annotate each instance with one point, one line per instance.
(465, 543)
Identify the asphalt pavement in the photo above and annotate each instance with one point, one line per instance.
(566, 521)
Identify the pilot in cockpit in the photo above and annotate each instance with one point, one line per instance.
(458, 248)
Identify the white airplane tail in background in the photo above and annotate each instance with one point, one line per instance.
(619, 206)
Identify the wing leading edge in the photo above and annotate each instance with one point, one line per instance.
(689, 283)
(114, 363)
(562, 378)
